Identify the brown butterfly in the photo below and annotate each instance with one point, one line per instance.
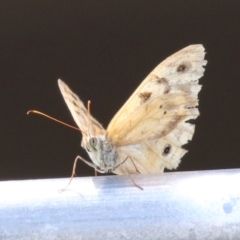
(147, 133)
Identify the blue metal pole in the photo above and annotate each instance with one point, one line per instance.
(176, 205)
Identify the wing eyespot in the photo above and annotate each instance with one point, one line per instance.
(161, 80)
(183, 67)
(164, 82)
(167, 149)
(144, 96)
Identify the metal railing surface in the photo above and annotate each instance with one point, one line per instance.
(173, 205)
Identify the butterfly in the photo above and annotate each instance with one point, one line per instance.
(146, 135)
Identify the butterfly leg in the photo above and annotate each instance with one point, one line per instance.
(88, 163)
(74, 170)
(135, 184)
(119, 164)
(134, 165)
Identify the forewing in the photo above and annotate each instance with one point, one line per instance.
(178, 73)
(156, 119)
(80, 113)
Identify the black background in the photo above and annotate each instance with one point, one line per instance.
(103, 50)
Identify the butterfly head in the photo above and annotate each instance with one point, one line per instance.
(101, 151)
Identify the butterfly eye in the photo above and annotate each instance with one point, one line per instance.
(93, 142)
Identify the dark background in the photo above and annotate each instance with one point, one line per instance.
(103, 50)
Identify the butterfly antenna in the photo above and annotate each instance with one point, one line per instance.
(52, 118)
(89, 117)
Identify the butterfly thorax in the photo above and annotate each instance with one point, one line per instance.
(102, 152)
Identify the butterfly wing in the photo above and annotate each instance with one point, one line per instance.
(151, 127)
(86, 123)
